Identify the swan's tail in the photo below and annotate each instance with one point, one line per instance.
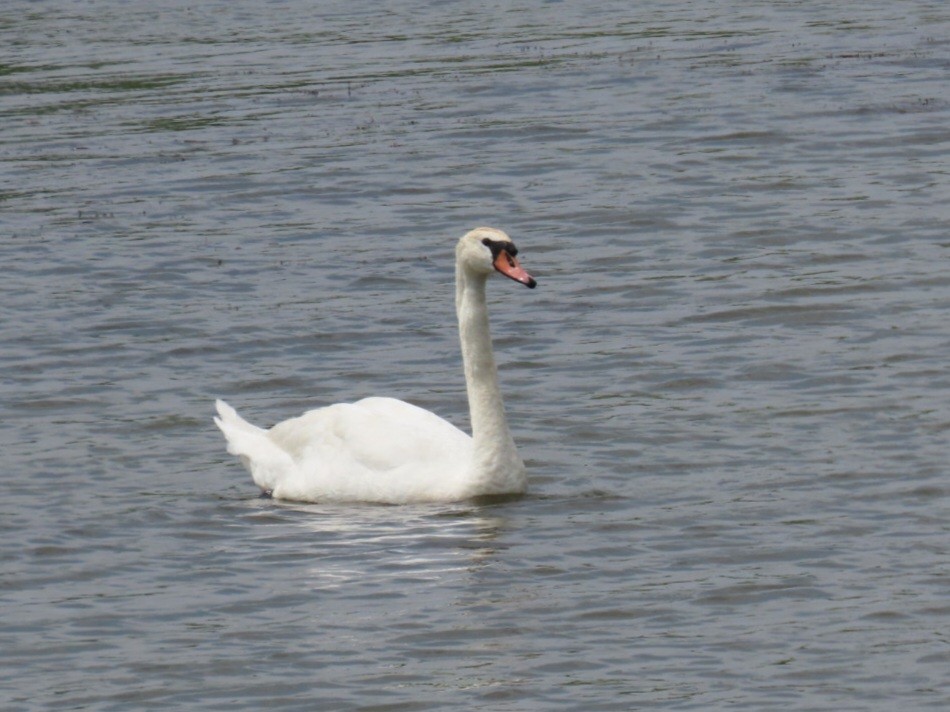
(266, 462)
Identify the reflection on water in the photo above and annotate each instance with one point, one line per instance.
(437, 543)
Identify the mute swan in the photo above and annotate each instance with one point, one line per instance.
(389, 451)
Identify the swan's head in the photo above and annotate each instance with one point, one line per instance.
(485, 250)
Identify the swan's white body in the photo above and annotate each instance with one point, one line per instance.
(389, 451)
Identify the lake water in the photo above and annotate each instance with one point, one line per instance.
(731, 386)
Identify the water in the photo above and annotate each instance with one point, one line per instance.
(730, 386)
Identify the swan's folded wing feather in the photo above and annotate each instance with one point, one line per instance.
(381, 434)
(267, 463)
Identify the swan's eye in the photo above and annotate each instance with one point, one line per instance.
(499, 246)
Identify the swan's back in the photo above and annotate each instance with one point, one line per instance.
(374, 450)
(379, 433)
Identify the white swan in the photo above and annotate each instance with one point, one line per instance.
(389, 451)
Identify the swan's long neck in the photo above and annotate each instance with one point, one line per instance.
(496, 460)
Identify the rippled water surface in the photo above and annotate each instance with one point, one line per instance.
(731, 386)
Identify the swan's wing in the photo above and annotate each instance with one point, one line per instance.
(378, 434)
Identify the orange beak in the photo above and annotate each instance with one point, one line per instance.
(508, 266)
